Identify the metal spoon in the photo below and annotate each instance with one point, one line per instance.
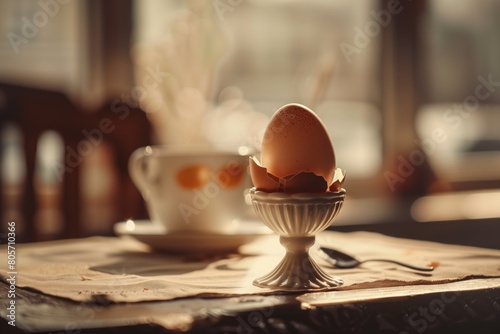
(342, 260)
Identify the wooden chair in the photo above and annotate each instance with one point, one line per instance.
(123, 127)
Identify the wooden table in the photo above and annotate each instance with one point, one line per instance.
(459, 307)
(464, 306)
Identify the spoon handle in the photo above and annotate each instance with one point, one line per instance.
(407, 265)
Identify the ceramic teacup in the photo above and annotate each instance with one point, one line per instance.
(192, 190)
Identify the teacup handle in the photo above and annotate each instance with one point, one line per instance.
(137, 169)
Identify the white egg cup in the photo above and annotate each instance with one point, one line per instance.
(297, 218)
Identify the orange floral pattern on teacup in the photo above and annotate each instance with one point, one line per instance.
(197, 176)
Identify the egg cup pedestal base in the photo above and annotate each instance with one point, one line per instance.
(297, 270)
(297, 218)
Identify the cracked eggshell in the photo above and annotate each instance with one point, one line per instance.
(296, 183)
(338, 180)
(296, 141)
(305, 182)
(261, 178)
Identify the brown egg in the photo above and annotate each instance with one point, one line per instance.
(297, 154)
(295, 141)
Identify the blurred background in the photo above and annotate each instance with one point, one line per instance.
(409, 91)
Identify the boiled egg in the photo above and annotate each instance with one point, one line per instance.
(296, 155)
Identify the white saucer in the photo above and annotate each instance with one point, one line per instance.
(154, 235)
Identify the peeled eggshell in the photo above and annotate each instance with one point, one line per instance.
(305, 182)
(261, 178)
(296, 141)
(338, 180)
(301, 182)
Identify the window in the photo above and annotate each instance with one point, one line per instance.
(276, 52)
(460, 86)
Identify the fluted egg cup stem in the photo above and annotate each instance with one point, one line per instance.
(297, 270)
(297, 218)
